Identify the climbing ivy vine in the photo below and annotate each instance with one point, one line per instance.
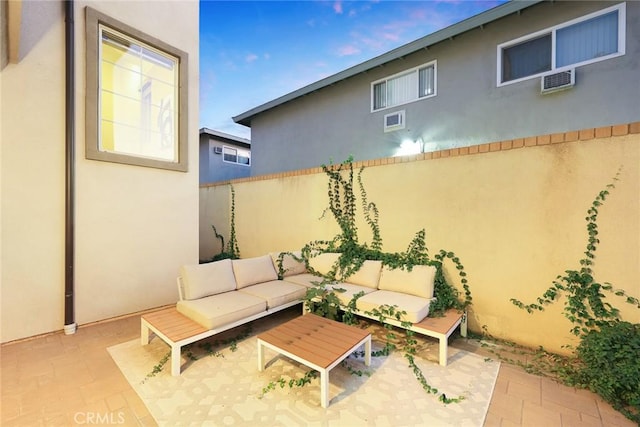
(606, 359)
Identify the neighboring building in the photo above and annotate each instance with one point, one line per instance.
(223, 156)
(111, 242)
(521, 69)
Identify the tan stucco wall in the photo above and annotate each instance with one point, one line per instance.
(515, 217)
(134, 226)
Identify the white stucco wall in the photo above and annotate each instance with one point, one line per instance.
(134, 226)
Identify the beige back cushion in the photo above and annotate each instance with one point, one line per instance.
(199, 281)
(323, 263)
(368, 275)
(291, 266)
(418, 281)
(250, 271)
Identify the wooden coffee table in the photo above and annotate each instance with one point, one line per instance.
(315, 342)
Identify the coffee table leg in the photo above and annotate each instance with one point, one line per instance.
(324, 388)
(175, 360)
(367, 351)
(260, 355)
(144, 332)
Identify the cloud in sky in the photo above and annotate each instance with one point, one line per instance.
(348, 50)
(255, 51)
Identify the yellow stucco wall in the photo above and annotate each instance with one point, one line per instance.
(134, 225)
(513, 213)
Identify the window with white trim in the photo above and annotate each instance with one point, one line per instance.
(590, 38)
(402, 88)
(236, 155)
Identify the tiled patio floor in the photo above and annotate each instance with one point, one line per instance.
(59, 380)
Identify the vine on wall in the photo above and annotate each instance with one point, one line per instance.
(606, 359)
(232, 250)
(343, 206)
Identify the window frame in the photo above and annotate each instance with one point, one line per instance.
(225, 148)
(416, 70)
(94, 21)
(620, 8)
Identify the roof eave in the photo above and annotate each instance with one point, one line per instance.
(446, 33)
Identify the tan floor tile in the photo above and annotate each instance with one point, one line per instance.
(117, 401)
(611, 417)
(535, 416)
(567, 398)
(501, 385)
(103, 388)
(30, 420)
(514, 373)
(10, 408)
(136, 404)
(562, 410)
(580, 421)
(492, 420)
(508, 407)
(526, 392)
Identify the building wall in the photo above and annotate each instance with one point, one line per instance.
(212, 166)
(134, 226)
(513, 211)
(469, 108)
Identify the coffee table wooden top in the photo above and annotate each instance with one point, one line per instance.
(316, 339)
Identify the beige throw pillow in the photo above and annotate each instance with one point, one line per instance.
(418, 281)
(368, 275)
(323, 263)
(250, 271)
(289, 264)
(199, 281)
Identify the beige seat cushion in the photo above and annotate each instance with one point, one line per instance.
(221, 309)
(305, 279)
(417, 308)
(250, 271)
(349, 291)
(367, 275)
(289, 264)
(417, 282)
(201, 280)
(276, 292)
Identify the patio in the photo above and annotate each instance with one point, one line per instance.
(72, 380)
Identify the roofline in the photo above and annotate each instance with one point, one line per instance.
(227, 137)
(449, 32)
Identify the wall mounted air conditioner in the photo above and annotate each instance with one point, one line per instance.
(556, 81)
(394, 121)
(217, 150)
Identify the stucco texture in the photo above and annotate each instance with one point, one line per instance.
(515, 218)
(134, 226)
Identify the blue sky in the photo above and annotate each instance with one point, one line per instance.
(252, 52)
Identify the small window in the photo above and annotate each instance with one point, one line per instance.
(136, 97)
(236, 155)
(591, 38)
(405, 87)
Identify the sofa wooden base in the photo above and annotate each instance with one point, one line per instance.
(177, 330)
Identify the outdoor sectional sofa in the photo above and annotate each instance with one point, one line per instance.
(225, 294)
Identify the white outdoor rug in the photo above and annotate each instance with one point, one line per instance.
(226, 388)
